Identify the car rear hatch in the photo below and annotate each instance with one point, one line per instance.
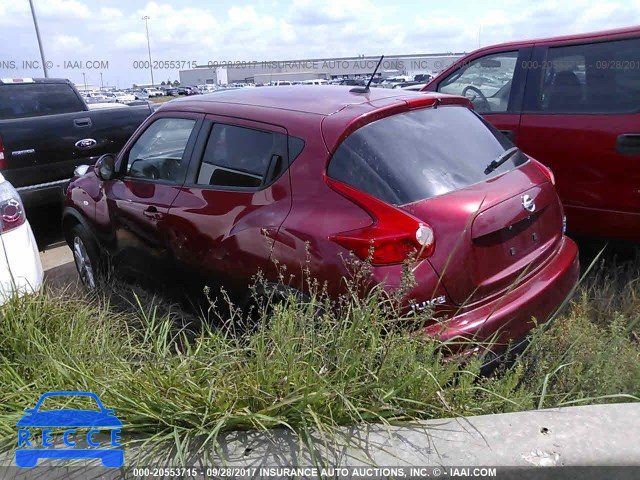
(486, 240)
(493, 225)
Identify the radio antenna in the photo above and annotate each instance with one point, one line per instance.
(366, 89)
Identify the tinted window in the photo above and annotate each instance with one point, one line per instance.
(596, 77)
(420, 154)
(158, 154)
(36, 99)
(485, 81)
(295, 148)
(238, 156)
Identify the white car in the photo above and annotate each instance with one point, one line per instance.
(110, 96)
(20, 267)
(153, 92)
(317, 81)
(122, 97)
(92, 97)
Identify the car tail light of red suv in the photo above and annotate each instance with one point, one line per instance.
(394, 235)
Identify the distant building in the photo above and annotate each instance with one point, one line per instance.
(204, 76)
(324, 68)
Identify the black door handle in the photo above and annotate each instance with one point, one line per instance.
(82, 122)
(628, 144)
(152, 212)
(510, 134)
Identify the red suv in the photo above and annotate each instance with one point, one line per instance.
(219, 187)
(574, 104)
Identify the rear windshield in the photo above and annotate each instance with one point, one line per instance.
(36, 99)
(420, 154)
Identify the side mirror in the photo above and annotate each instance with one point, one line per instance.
(105, 167)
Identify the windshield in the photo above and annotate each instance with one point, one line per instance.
(421, 154)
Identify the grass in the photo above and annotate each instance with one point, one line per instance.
(175, 379)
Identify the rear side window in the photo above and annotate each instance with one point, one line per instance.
(37, 99)
(420, 154)
(595, 77)
(241, 157)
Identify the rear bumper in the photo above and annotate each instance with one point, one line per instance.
(20, 267)
(511, 316)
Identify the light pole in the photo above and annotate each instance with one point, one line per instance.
(84, 77)
(146, 23)
(101, 83)
(35, 24)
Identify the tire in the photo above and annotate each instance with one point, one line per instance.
(85, 256)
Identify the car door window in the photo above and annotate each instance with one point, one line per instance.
(238, 156)
(485, 81)
(158, 154)
(592, 78)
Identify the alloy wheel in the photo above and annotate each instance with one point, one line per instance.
(83, 263)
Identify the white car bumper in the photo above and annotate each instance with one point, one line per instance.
(20, 267)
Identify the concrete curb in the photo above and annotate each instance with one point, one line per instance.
(572, 436)
(528, 443)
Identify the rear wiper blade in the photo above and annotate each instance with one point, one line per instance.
(504, 156)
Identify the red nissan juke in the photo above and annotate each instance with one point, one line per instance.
(218, 187)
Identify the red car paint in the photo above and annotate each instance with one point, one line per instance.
(491, 265)
(591, 143)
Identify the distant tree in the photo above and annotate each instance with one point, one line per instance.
(176, 83)
(135, 85)
(169, 82)
(162, 83)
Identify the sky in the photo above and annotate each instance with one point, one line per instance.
(108, 36)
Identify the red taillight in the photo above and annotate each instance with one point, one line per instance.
(547, 172)
(3, 162)
(11, 210)
(394, 235)
(12, 214)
